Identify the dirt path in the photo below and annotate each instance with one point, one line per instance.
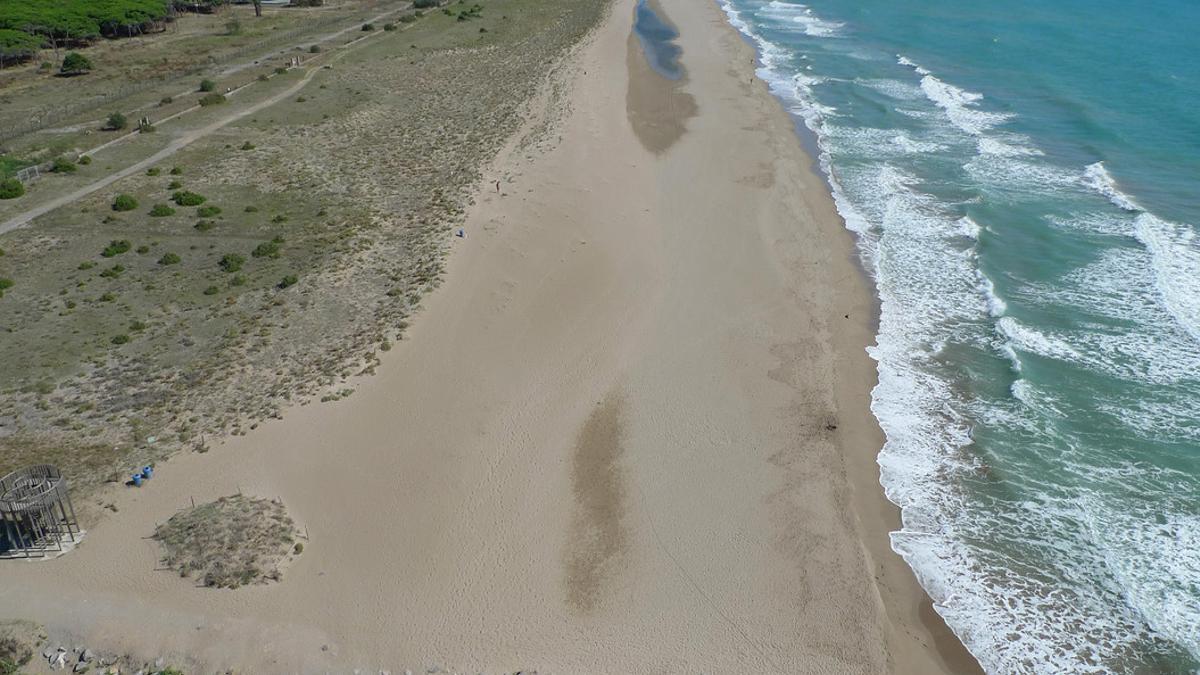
(182, 141)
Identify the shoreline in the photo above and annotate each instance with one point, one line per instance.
(909, 601)
(615, 439)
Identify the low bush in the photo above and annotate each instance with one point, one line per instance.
(174, 185)
(207, 85)
(281, 218)
(280, 70)
(267, 249)
(204, 225)
(85, 160)
(212, 290)
(264, 77)
(212, 99)
(153, 171)
(185, 198)
(368, 27)
(137, 326)
(315, 49)
(247, 145)
(161, 211)
(63, 165)
(231, 262)
(75, 63)
(124, 202)
(237, 280)
(113, 272)
(169, 259)
(251, 209)
(5, 283)
(86, 265)
(176, 171)
(407, 18)
(11, 188)
(120, 339)
(425, 4)
(116, 121)
(289, 280)
(116, 247)
(166, 100)
(107, 297)
(208, 211)
(143, 249)
(145, 127)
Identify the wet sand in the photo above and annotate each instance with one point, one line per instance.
(630, 433)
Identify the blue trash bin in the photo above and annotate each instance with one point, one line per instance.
(137, 480)
(147, 472)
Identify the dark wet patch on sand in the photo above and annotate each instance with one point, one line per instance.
(657, 106)
(598, 538)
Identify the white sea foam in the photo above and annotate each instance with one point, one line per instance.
(905, 61)
(809, 23)
(1176, 261)
(960, 106)
(1099, 179)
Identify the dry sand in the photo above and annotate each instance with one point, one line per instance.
(629, 434)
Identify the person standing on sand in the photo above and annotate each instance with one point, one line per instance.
(497, 187)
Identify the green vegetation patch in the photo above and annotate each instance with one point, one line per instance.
(124, 202)
(231, 542)
(161, 211)
(185, 198)
(116, 247)
(11, 188)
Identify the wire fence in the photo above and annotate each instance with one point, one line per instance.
(46, 118)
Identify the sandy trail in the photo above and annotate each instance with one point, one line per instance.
(626, 435)
(184, 139)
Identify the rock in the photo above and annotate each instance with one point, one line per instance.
(159, 663)
(82, 667)
(87, 655)
(49, 652)
(58, 661)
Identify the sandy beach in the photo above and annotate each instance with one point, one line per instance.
(629, 433)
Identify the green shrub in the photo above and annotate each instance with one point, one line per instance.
(124, 202)
(161, 211)
(424, 4)
(289, 280)
(75, 63)
(85, 160)
(176, 171)
(86, 265)
(116, 247)
(251, 209)
(207, 85)
(212, 99)
(113, 272)
(137, 326)
(247, 145)
(281, 70)
(267, 249)
(166, 100)
(11, 188)
(145, 127)
(264, 77)
(231, 262)
(120, 339)
(368, 27)
(5, 283)
(281, 218)
(174, 185)
(153, 171)
(208, 211)
(204, 225)
(143, 249)
(301, 99)
(108, 297)
(237, 280)
(116, 121)
(168, 259)
(63, 165)
(407, 18)
(315, 49)
(185, 198)
(212, 290)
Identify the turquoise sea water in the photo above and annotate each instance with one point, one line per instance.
(1024, 180)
